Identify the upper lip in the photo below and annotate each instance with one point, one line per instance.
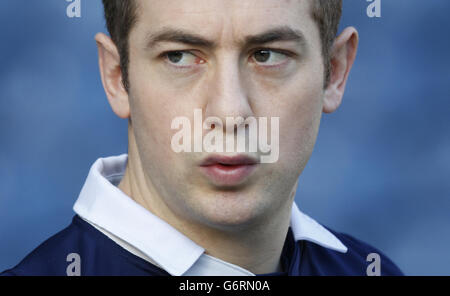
(228, 160)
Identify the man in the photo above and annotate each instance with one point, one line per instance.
(166, 208)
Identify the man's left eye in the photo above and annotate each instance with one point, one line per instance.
(266, 57)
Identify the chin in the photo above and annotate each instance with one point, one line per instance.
(230, 211)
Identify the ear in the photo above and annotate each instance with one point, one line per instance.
(111, 74)
(342, 55)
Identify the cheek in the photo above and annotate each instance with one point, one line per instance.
(299, 122)
(154, 104)
(151, 103)
(151, 117)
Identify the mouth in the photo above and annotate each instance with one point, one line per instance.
(228, 170)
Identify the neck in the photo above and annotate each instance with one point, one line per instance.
(256, 247)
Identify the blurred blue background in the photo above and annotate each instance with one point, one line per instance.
(380, 170)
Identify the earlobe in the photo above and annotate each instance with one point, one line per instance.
(111, 75)
(343, 55)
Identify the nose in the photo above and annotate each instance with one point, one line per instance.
(228, 92)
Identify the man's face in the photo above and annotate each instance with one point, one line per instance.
(170, 75)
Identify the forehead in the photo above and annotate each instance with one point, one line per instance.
(223, 19)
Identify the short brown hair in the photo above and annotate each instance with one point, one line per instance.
(121, 15)
(327, 15)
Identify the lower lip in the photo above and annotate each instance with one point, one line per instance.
(228, 175)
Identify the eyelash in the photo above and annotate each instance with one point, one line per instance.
(282, 51)
(177, 68)
(287, 53)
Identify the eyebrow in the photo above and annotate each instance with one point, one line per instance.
(283, 33)
(178, 36)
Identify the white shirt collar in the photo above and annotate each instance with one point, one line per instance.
(110, 210)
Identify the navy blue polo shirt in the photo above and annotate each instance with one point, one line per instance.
(102, 256)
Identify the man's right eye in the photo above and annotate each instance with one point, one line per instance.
(183, 58)
(175, 57)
